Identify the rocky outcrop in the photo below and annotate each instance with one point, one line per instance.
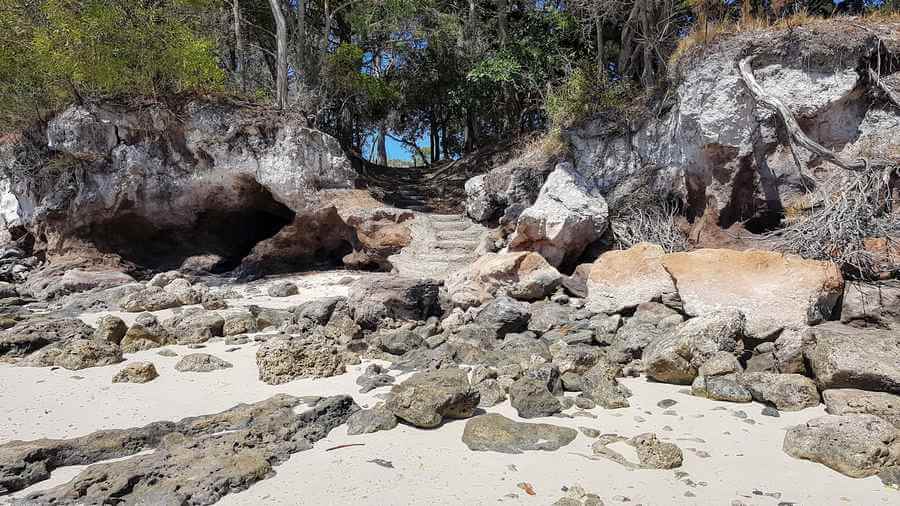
(197, 460)
(568, 215)
(31, 335)
(622, 279)
(713, 147)
(155, 187)
(855, 445)
(850, 401)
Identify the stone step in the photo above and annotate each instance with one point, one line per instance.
(451, 226)
(466, 233)
(446, 217)
(445, 258)
(457, 244)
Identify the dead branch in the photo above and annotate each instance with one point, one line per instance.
(795, 133)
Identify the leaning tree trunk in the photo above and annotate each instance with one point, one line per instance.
(238, 46)
(281, 78)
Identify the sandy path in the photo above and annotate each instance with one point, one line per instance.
(434, 466)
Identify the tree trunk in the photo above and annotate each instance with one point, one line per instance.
(301, 41)
(502, 7)
(381, 146)
(601, 70)
(281, 85)
(238, 46)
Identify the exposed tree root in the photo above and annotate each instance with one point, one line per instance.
(796, 135)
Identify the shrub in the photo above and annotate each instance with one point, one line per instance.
(583, 94)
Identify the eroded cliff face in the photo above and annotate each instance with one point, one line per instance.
(714, 148)
(155, 187)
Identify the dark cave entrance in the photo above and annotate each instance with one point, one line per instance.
(250, 215)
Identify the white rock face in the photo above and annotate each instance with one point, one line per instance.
(568, 214)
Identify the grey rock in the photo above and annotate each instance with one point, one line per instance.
(491, 393)
(847, 357)
(195, 325)
(426, 398)
(720, 388)
(197, 460)
(110, 328)
(374, 299)
(238, 321)
(286, 358)
(494, 432)
(848, 401)
(866, 303)
(138, 372)
(505, 315)
(546, 315)
(787, 392)
(531, 398)
(282, 289)
(75, 354)
(655, 454)
(676, 357)
(152, 298)
(201, 362)
(399, 341)
(600, 385)
(145, 333)
(855, 445)
(367, 421)
(31, 335)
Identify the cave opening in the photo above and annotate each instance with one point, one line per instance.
(219, 233)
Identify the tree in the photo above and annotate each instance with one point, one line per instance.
(281, 80)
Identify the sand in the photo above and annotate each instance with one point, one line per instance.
(726, 458)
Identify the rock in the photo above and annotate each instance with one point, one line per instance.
(875, 304)
(576, 358)
(184, 292)
(366, 421)
(282, 289)
(496, 433)
(287, 358)
(399, 341)
(772, 290)
(787, 392)
(426, 398)
(650, 320)
(204, 264)
(568, 215)
(655, 454)
(238, 321)
(138, 372)
(521, 275)
(373, 299)
(622, 279)
(600, 385)
(318, 311)
(505, 315)
(31, 335)
(676, 357)
(481, 373)
(201, 362)
(110, 328)
(720, 388)
(144, 334)
(194, 325)
(152, 298)
(846, 357)
(75, 354)
(719, 364)
(47, 284)
(490, 392)
(788, 351)
(531, 398)
(374, 377)
(514, 184)
(524, 350)
(197, 460)
(166, 353)
(546, 315)
(849, 401)
(855, 445)
(548, 374)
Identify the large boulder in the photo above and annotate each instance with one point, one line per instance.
(31, 335)
(74, 354)
(152, 298)
(676, 357)
(195, 325)
(787, 392)
(855, 445)
(568, 215)
(774, 291)
(426, 398)
(622, 279)
(531, 398)
(505, 315)
(521, 275)
(600, 385)
(871, 303)
(201, 362)
(850, 401)
(138, 372)
(145, 333)
(496, 433)
(517, 183)
(376, 298)
(841, 356)
(286, 358)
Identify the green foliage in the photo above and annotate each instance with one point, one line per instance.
(583, 95)
(94, 48)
